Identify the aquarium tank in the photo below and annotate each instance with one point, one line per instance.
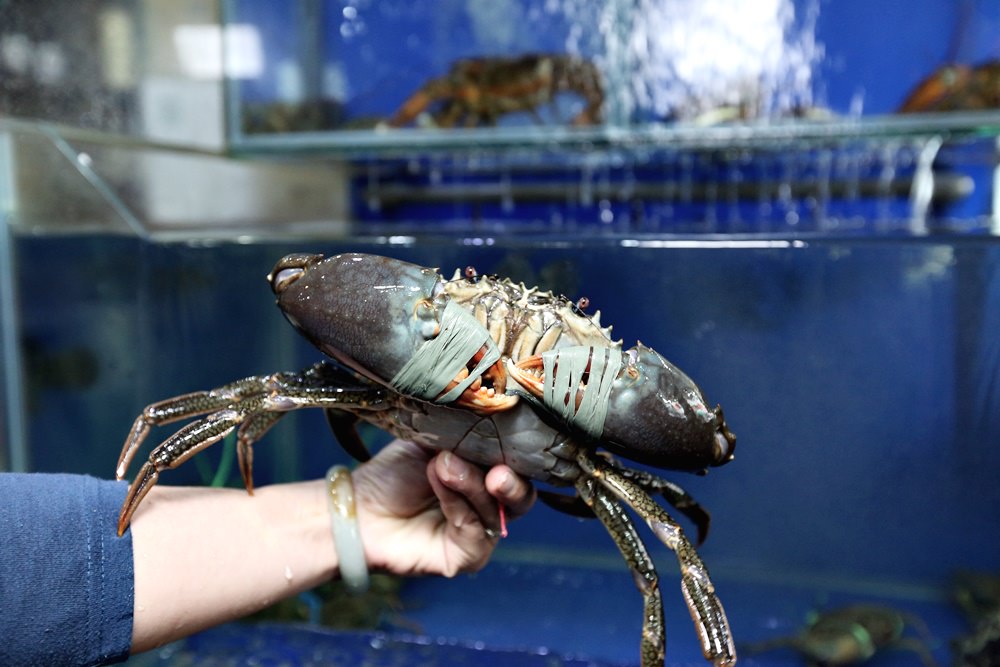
(794, 201)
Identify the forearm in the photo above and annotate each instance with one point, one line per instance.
(205, 556)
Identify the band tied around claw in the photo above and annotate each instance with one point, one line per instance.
(344, 525)
(565, 369)
(438, 360)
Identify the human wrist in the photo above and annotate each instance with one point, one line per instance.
(203, 556)
(298, 514)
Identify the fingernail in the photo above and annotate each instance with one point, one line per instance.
(456, 467)
(507, 484)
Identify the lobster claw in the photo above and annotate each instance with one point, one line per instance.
(635, 402)
(392, 322)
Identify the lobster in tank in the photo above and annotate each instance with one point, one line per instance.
(479, 91)
(956, 87)
(496, 372)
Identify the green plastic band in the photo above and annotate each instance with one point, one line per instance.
(438, 360)
(559, 394)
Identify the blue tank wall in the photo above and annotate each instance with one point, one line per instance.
(860, 378)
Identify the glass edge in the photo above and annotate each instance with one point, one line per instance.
(763, 135)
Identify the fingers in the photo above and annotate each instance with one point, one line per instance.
(448, 508)
(466, 500)
(511, 490)
(500, 485)
(467, 509)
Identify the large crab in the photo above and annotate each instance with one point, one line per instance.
(497, 373)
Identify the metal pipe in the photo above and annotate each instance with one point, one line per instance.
(946, 187)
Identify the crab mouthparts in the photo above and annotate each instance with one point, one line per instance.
(486, 393)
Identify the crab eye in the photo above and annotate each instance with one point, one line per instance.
(631, 360)
(423, 310)
(425, 314)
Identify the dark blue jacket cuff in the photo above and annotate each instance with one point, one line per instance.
(66, 578)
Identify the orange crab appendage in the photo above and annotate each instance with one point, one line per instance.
(486, 393)
(529, 374)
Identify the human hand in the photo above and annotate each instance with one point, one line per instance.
(422, 512)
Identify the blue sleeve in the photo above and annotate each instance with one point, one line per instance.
(66, 578)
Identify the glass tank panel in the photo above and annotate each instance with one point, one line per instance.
(384, 74)
(858, 376)
(857, 370)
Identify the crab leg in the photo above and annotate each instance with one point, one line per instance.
(174, 451)
(699, 593)
(623, 531)
(254, 405)
(184, 407)
(252, 430)
(678, 498)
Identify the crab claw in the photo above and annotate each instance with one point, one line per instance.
(356, 308)
(649, 411)
(377, 315)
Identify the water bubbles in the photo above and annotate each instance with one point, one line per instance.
(607, 215)
(682, 58)
(353, 24)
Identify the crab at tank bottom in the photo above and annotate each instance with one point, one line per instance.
(977, 594)
(852, 635)
(496, 372)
